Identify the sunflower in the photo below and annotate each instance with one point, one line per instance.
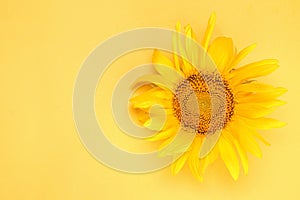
(247, 102)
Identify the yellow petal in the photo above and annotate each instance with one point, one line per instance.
(159, 58)
(243, 156)
(178, 47)
(259, 88)
(155, 123)
(164, 134)
(260, 102)
(247, 139)
(204, 163)
(209, 30)
(194, 165)
(209, 159)
(263, 123)
(253, 70)
(192, 50)
(181, 58)
(250, 144)
(221, 51)
(157, 111)
(252, 110)
(150, 102)
(242, 153)
(154, 92)
(229, 157)
(267, 95)
(179, 163)
(165, 67)
(193, 159)
(209, 143)
(142, 89)
(165, 143)
(151, 97)
(156, 79)
(139, 116)
(237, 59)
(260, 137)
(187, 68)
(181, 143)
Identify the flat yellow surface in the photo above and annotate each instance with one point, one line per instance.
(42, 45)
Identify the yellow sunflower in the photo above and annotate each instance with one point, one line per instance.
(247, 102)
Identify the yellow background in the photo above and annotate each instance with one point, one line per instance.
(42, 45)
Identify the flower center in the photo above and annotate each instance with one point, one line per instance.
(196, 113)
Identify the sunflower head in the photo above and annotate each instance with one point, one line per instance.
(225, 108)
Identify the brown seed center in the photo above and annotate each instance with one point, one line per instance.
(193, 106)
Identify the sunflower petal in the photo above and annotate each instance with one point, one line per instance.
(159, 58)
(139, 115)
(221, 51)
(164, 134)
(241, 152)
(209, 159)
(209, 143)
(155, 92)
(259, 102)
(157, 80)
(179, 163)
(241, 55)
(260, 137)
(267, 95)
(253, 87)
(175, 48)
(192, 50)
(155, 123)
(182, 56)
(243, 156)
(193, 161)
(263, 123)
(180, 144)
(165, 67)
(229, 157)
(247, 139)
(190, 44)
(253, 70)
(194, 165)
(258, 87)
(252, 110)
(209, 30)
(179, 51)
(151, 97)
